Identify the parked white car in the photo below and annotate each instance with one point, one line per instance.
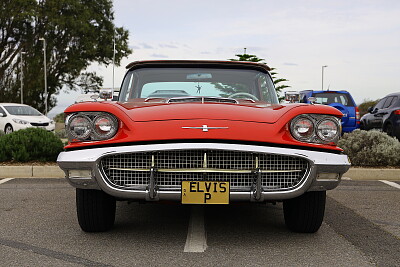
(14, 117)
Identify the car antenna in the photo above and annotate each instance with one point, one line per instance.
(328, 87)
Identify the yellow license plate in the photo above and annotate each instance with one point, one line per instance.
(205, 192)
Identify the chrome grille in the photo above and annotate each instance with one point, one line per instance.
(132, 170)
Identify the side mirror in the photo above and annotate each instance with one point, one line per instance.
(1, 115)
(292, 97)
(312, 100)
(370, 109)
(106, 94)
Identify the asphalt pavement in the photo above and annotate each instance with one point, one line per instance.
(38, 227)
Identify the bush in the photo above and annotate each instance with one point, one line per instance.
(30, 144)
(371, 148)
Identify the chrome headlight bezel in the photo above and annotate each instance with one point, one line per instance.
(316, 136)
(93, 135)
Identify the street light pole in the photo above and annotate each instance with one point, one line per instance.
(22, 75)
(323, 76)
(113, 62)
(45, 74)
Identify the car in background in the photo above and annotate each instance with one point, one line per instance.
(341, 100)
(385, 115)
(14, 117)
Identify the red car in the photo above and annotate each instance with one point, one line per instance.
(201, 132)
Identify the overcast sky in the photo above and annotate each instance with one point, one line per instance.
(358, 40)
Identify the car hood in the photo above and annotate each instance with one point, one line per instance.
(214, 111)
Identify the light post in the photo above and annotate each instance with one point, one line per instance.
(323, 76)
(113, 63)
(45, 74)
(22, 75)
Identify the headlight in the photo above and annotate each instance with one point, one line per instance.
(79, 127)
(327, 130)
(314, 128)
(91, 126)
(303, 128)
(20, 121)
(105, 126)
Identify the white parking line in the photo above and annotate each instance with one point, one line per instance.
(196, 240)
(390, 183)
(5, 180)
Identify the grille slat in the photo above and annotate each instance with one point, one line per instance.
(129, 170)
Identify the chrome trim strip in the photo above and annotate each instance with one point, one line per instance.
(205, 170)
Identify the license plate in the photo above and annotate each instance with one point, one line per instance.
(205, 192)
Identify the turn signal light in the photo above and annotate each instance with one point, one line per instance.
(396, 112)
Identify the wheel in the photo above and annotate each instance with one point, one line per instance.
(304, 214)
(362, 126)
(95, 210)
(388, 129)
(8, 129)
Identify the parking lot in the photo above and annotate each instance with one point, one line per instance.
(39, 228)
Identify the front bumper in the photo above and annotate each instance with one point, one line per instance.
(324, 173)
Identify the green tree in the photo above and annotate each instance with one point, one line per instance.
(77, 33)
(253, 58)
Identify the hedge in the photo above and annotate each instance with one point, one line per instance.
(32, 144)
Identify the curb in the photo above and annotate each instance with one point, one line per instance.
(56, 172)
(31, 172)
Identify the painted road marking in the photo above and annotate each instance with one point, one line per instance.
(390, 183)
(5, 180)
(346, 178)
(196, 240)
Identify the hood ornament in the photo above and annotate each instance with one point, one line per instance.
(205, 128)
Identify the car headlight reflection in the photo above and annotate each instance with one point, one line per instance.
(315, 128)
(91, 126)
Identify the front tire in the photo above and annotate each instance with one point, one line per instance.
(304, 214)
(388, 129)
(95, 210)
(8, 129)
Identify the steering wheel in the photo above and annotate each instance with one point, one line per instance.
(244, 94)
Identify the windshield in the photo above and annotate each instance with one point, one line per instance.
(198, 82)
(22, 111)
(329, 98)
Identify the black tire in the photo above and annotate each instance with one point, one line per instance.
(388, 129)
(8, 129)
(304, 214)
(362, 126)
(95, 210)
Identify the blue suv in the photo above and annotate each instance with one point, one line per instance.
(341, 100)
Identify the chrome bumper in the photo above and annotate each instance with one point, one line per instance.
(82, 170)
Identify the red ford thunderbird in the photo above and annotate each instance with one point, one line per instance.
(201, 132)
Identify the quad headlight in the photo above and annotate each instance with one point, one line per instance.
(91, 126)
(314, 128)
